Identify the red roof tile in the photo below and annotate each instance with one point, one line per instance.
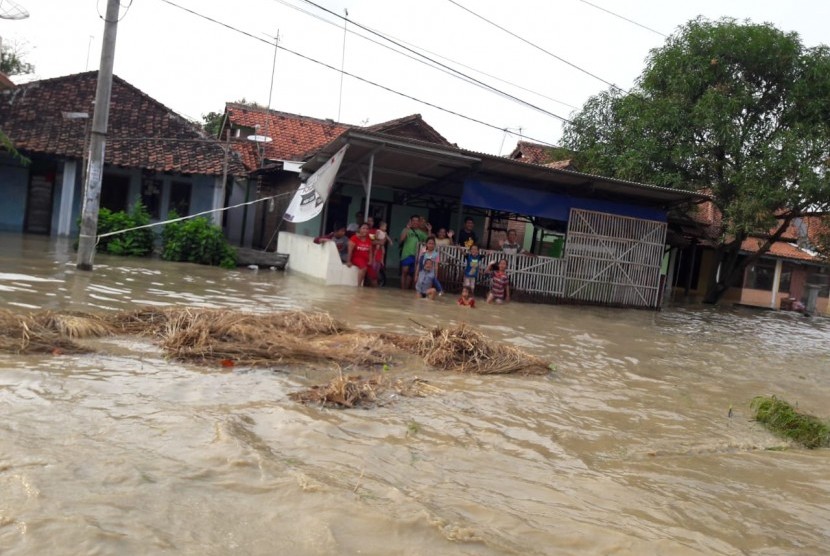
(534, 153)
(294, 137)
(291, 135)
(780, 249)
(142, 132)
(412, 127)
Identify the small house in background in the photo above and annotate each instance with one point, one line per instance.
(152, 154)
(791, 274)
(273, 146)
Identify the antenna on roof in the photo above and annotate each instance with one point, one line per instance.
(342, 64)
(12, 10)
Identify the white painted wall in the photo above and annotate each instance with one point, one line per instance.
(317, 261)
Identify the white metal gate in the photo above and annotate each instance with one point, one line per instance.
(613, 260)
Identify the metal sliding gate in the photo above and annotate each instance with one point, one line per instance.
(613, 260)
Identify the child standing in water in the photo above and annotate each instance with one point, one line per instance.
(499, 284)
(466, 300)
(471, 269)
(427, 285)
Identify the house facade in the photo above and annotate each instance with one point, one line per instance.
(274, 145)
(792, 273)
(615, 230)
(152, 154)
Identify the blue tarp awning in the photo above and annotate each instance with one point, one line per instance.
(545, 204)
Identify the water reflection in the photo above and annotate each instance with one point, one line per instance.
(628, 448)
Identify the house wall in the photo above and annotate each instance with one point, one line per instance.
(202, 193)
(240, 189)
(761, 298)
(14, 182)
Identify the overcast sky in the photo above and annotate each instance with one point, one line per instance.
(194, 66)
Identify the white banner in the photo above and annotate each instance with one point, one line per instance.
(312, 195)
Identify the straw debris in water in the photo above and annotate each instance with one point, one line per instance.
(784, 420)
(263, 340)
(463, 349)
(285, 338)
(46, 332)
(347, 391)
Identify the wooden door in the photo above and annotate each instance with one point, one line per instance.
(39, 198)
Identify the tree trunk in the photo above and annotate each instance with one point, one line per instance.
(727, 261)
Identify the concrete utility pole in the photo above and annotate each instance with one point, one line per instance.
(95, 169)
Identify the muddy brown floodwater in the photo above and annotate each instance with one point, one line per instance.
(627, 449)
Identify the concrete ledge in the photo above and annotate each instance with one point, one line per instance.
(320, 261)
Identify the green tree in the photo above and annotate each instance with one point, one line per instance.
(12, 60)
(212, 123)
(12, 63)
(737, 110)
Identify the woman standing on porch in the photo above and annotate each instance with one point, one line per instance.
(360, 255)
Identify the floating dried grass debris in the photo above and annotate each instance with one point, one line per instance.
(348, 391)
(463, 349)
(74, 325)
(39, 333)
(147, 321)
(265, 339)
(342, 391)
(784, 420)
(268, 339)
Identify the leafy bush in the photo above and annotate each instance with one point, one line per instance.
(135, 243)
(196, 240)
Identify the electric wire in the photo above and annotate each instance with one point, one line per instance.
(472, 79)
(421, 61)
(536, 46)
(624, 18)
(353, 76)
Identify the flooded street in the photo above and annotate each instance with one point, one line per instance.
(628, 448)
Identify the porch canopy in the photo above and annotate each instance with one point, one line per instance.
(416, 169)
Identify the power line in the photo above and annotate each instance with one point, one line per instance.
(464, 75)
(419, 60)
(536, 46)
(623, 18)
(362, 79)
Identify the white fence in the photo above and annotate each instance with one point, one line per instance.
(609, 260)
(531, 276)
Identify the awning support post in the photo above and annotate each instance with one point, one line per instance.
(369, 186)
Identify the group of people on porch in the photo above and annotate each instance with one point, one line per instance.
(363, 246)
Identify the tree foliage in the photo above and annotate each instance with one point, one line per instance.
(737, 110)
(12, 63)
(212, 123)
(12, 60)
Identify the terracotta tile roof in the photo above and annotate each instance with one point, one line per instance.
(295, 137)
(142, 132)
(292, 135)
(813, 228)
(534, 153)
(412, 127)
(779, 249)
